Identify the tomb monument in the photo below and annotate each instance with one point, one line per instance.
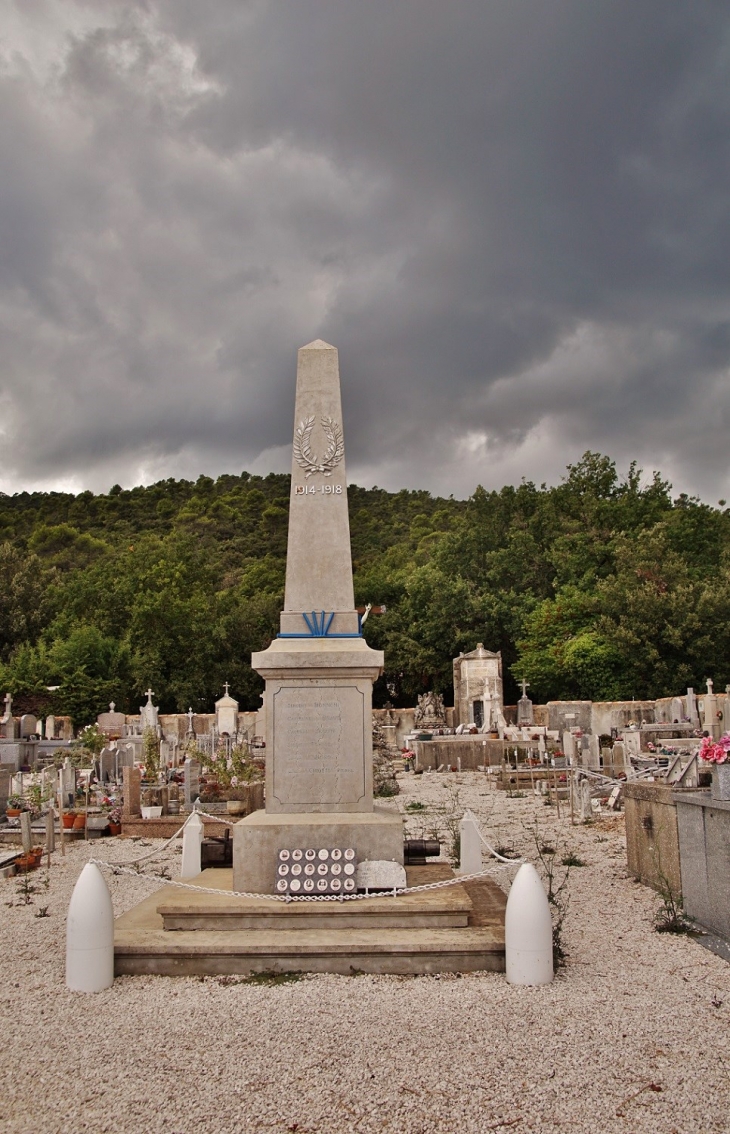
(319, 670)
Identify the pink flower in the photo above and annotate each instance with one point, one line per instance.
(715, 753)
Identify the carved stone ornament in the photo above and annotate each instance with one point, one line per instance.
(308, 460)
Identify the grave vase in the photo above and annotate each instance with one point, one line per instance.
(721, 781)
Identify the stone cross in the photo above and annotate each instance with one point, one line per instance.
(190, 718)
(149, 695)
(226, 688)
(709, 685)
(525, 686)
(8, 705)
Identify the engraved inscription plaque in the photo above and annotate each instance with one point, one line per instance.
(320, 747)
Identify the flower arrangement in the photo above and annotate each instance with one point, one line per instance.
(17, 803)
(115, 816)
(715, 752)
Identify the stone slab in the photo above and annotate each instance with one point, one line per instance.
(704, 844)
(259, 837)
(322, 746)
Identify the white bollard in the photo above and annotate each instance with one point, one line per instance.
(528, 930)
(90, 933)
(470, 858)
(192, 840)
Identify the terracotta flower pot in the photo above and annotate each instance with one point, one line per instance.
(13, 812)
(79, 823)
(69, 817)
(115, 828)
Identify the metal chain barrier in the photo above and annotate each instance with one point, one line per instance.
(128, 868)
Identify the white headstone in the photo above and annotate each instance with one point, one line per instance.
(470, 858)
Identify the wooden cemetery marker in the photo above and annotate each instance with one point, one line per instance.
(50, 832)
(25, 831)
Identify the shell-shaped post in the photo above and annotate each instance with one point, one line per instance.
(90, 933)
(528, 930)
(192, 844)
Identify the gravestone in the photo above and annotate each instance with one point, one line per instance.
(692, 713)
(594, 753)
(319, 670)
(125, 755)
(8, 726)
(676, 710)
(112, 724)
(4, 788)
(191, 769)
(50, 727)
(67, 776)
(28, 725)
(132, 791)
(569, 746)
(148, 714)
(524, 707)
(226, 714)
(26, 833)
(107, 763)
(619, 759)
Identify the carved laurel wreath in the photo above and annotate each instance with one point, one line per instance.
(303, 454)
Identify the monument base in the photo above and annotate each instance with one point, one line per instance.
(258, 838)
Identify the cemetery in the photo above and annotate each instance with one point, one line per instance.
(473, 886)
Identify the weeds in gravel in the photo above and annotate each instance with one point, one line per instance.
(270, 978)
(670, 916)
(415, 805)
(572, 859)
(42, 911)
(557, 888)
(25, 889)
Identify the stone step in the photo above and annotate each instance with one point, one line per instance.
(315, 950)
(431, 909)
(333, 944)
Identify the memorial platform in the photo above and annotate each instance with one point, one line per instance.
(177, 932)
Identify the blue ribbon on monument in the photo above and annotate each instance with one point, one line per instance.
(318, 626)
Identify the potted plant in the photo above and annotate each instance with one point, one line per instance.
(717, 753)
(15, 805)
(115, 821)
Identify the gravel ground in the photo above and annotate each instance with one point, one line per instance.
(631, 1036)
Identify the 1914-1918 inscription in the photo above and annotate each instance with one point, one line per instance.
(316, 764)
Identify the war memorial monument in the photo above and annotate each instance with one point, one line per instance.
(319, 671)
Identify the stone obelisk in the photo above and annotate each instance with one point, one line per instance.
(319, 671)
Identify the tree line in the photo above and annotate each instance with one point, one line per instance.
(602, 587)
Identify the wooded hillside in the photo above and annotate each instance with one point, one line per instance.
(599, 588)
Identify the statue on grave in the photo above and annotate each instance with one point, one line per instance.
(430, 712)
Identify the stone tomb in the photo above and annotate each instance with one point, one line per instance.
(319, 671)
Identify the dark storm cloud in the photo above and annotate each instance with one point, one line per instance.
(511, 218)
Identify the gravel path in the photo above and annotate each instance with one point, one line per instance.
(631, 1036)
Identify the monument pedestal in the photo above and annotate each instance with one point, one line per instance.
(259, 837)
(319, 766)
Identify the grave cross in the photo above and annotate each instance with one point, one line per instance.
(149, 695)
(226, 688)
(525, 687)
(8, 704)
(709, 686)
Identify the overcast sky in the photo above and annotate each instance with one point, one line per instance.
(510, 216)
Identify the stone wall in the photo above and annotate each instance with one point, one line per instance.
(704, 844)
(652, 837)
